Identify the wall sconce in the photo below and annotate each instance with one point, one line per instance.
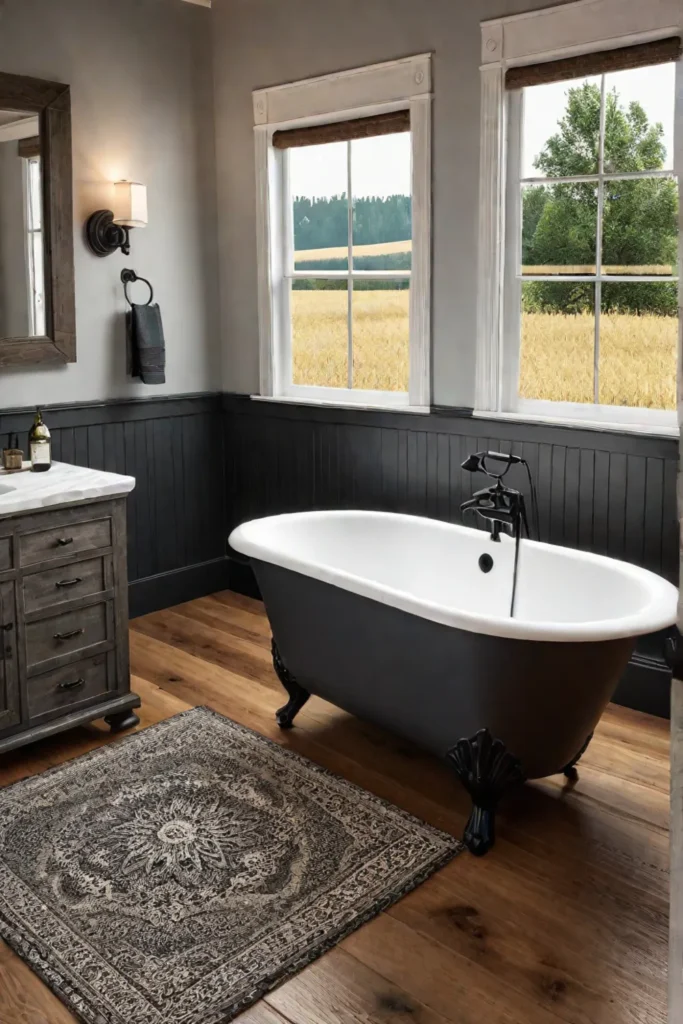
(109, 230)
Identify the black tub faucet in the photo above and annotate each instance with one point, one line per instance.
(502, 507)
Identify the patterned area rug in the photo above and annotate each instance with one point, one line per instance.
(178, 875)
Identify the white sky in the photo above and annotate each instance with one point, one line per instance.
(381, 165)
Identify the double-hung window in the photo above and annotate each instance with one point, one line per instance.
(344, 228)
(585, 261)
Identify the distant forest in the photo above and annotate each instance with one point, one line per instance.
(323, 223)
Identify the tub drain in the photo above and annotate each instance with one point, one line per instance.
(485, 563)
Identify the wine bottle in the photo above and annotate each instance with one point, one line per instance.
(39, 445)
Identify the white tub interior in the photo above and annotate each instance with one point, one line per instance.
(430, 568)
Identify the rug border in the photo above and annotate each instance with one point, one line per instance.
(32, 956)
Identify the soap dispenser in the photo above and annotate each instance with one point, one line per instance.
(40, 445)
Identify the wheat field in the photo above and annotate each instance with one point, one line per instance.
(380, 339)
(637, 353)
(637, 361)
(340, 252)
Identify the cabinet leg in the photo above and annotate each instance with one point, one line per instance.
(122, 720)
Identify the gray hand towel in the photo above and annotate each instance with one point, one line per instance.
(146, 344)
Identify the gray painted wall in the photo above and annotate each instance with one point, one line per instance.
(140, 76)
(267, 42)
(14, 296)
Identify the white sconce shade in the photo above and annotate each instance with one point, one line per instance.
(130, 204)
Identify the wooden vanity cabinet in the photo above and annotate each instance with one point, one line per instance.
(10, 707)
(64, 621)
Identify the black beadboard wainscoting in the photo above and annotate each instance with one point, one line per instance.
(614, 494)
(176, 513)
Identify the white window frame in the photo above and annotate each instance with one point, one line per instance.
(543, 35)
(362, 92)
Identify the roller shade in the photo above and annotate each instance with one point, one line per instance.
(28, 148)
(343, 131)
(661, 51)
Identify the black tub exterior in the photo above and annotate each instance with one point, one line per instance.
(435, 684)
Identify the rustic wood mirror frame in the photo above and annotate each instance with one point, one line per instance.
(51, 101)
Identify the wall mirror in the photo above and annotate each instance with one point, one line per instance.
(37, 307)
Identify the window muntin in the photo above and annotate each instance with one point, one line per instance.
(599, 193)
(349, 240)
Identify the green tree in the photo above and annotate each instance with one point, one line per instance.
(640, 219)
(535, 198)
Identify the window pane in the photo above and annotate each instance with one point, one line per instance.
(35, 195)
(37, 282)
(320, 333)
(640, 227)
(561, 129)
(380, 336)
(557, 339)
(638, 345)
(559, 228)
(639, 119)
(318, 180)
(381, 183)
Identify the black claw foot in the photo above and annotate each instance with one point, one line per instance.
(487, 771)
(480, 831)
(570, 769)
(122, 720)
(285, 716)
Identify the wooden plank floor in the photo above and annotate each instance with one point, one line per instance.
(565, 921)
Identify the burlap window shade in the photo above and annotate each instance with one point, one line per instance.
(344, 131)
(28, 148)
(661, 51)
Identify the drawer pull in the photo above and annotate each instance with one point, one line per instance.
(8, 627)
(63, 541)
(70, 635)
(71, 684)
(69, 583)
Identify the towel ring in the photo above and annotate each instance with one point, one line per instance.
(129, 277)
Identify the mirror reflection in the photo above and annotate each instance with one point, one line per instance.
(22, 279)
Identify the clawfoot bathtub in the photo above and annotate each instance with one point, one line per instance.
(400, 620)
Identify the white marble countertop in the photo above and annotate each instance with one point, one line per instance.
(62, 484)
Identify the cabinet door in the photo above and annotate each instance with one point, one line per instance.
(9, 689)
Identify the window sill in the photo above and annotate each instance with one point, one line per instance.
(587, 424)
(419, 410)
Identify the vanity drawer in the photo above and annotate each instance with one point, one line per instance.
(70, 685)
(5, 553)
(62, 541)
(67, 633)
(55, 586)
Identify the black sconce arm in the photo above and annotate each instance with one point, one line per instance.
(104, 237)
